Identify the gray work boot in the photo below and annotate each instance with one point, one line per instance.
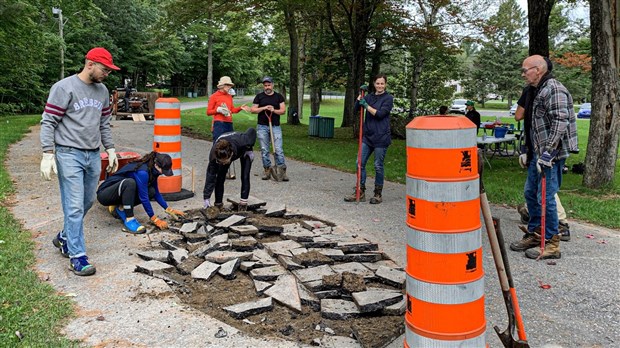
(529, 240)
(266, 173)
(377, 198)
(564, 231)
(351, 198)
(282, 170)
(552, 250)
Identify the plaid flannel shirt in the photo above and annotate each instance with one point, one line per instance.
(554, 125)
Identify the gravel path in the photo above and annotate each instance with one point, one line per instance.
(581, 309)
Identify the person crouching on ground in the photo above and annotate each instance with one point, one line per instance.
(376, 135)
(136, 183)
(226, 149)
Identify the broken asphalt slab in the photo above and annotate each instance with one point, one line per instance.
(586, 272)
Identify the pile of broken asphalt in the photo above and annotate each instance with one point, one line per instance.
(119, 307)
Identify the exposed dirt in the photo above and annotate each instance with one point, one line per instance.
(371, 330)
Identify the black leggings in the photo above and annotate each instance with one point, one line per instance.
(246, 167)
(123, 193)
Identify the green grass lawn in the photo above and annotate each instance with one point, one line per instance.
(26, 304)
(504, 181)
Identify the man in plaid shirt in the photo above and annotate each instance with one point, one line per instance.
(553, 136)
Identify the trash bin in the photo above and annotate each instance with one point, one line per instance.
(123, 159)
(194, 94)
(313, 127)
(326, 127)
(189, 94)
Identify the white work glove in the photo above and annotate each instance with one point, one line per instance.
(250, 155)
(223, 110)
(112, 161)
(523, 160)
(48, 164)
(207, 203)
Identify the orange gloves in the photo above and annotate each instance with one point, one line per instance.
(175, 214)
(161, 224)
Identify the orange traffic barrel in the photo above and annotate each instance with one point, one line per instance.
(445, 278)
(167, 139)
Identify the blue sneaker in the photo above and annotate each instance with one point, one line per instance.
(61, 244)
(120, 214)
(81, 267)
(133, 226)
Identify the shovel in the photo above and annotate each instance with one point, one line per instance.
(359, 151)
(496, 239)
(276, 173)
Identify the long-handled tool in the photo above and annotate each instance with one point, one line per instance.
(276, 173)
(496, 239)
(359, 150)
(543, 211)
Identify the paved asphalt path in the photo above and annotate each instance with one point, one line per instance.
(581, 309)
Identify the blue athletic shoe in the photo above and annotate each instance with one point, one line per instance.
(81, 267)
(133, 226)
(61, 244)
(120, 214)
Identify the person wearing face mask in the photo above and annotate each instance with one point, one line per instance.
(74, 124)
(221, 107)
(134, 184)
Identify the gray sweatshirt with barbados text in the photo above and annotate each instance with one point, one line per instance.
(77, 115)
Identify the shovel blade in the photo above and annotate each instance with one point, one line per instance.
(276, 173)
(508, 341)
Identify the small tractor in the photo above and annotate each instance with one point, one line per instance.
(129, 105)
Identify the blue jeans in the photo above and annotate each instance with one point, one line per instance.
(533, 196)
(379, 158)
(262, 132)
(220, 128)
(78, 175)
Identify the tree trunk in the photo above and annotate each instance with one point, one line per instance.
(357, 79)
(415, 80)
(376, 62)
(602, 152)
(315, 101)
(354, 52)
(291, 27)
(302, 59)
(209, 64)
(538, 22)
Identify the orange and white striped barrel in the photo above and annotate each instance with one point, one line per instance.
(445, 278)
(167, 139)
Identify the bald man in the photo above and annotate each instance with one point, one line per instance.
(553, 136)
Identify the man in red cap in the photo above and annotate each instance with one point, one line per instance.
(75, 123)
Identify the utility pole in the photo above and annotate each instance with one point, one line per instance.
(61, 24)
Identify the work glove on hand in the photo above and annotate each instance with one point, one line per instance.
(175, 214)
(48, 164)
(223, 110)
(207, 203)
(363, 103)
(250, 154)
(161, 224)
(112, 161)
(546, 160)
(523, 160)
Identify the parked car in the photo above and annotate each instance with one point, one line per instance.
(513, 109)
(584, 110)
(458, 106)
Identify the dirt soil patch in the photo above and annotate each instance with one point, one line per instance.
(375, 329)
